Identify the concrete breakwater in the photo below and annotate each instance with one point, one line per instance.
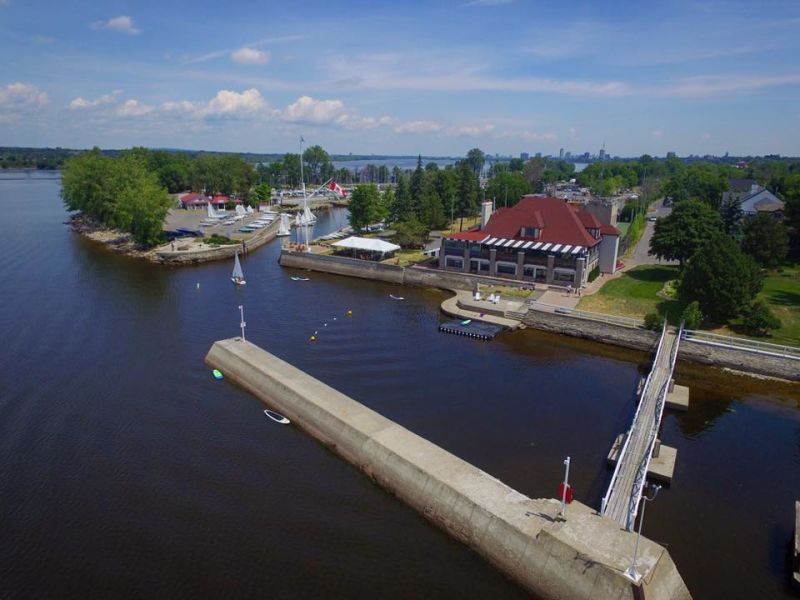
(582, 555)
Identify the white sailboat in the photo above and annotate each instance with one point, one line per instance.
(284, 228)
(237, 276)
(308, 216)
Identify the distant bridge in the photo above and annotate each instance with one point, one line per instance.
(621, 501)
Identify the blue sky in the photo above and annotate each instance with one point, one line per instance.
(435, 77)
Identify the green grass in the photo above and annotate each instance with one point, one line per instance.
(623, 228)
(635, 294)
(781, 292)
(406, 257)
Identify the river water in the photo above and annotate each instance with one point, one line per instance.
(128, 472)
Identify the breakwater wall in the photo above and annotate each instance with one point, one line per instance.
(364, 269)
(737, 359)
(583, 555)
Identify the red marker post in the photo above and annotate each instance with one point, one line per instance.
(564, 489)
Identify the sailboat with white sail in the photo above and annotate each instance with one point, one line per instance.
(237, 276)
(285, 227)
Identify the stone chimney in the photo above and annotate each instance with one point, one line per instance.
(486, 212)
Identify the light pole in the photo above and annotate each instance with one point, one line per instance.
(631, 572)
(242, 324)
(565, 487)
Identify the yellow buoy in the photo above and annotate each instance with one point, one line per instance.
(313, 338)
(349, 313)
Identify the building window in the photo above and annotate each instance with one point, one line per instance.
(454, 261)
(479, 264)
(529, 232)
(566, 276)
(506, 268)
(534, 272)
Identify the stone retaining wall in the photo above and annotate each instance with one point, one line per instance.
(258, 239)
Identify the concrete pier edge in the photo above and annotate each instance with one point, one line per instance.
(583, 555)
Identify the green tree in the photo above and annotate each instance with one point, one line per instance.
(317, 163)
(759, 319)
(721, 278)
(731, 211)
(410, 233)
(791, 194)
(431, 209)
(447, 188)
(417, 178)
(467, 195)
(517, 164)
(476, 159)
(534, 169)
(765, 239)
(678, 235)
(692, 316)
(506, 189)
(262, 193)
(365, 206)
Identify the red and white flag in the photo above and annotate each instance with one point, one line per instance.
(337, 189)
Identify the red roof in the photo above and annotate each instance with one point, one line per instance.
(608, 229)
(558, 222)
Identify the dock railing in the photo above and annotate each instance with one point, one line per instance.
(584, 314)
(628, 435)
(748, 345)
(641, 475)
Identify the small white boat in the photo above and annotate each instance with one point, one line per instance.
(237, 276)
(298, 278)
(277, 417)
(393, 297)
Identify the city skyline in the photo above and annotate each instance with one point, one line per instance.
(437, 79)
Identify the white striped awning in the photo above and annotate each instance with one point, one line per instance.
(484, 240)
(577, 249)
(518, 244)
(555, 248)
(527, 245)
(489, 241)
(566, 249)
(508, 243)
(537, 246)
(546, 247)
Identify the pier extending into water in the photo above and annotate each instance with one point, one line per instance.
(621, 502)
(581, 554)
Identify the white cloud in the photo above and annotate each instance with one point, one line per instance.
(657, 133)
(81, 103)
(474, 129)
(527, 136)
(180, 106)
(228, 103)
(573, 133)
(419, 127)
(316, 112)
(122, 23)
(712, 85)
(17, 99)
(250, 56)
(217, 53)
(706, 136)
(134, 108)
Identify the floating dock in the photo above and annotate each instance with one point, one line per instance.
(473, 329)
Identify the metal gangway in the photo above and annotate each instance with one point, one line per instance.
(621, 501)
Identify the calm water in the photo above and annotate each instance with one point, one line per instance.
(128, 472)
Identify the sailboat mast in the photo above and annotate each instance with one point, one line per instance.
(305, 205)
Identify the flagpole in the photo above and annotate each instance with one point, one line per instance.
(305, 205)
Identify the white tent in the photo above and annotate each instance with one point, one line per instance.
(368, 244)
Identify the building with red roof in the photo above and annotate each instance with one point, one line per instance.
(197, 200)
(539, 239)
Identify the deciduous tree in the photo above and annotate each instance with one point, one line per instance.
(679, 235)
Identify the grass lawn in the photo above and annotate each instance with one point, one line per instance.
(406, 257)
(635, 294)
(505, 290)
(781, 292)
(455, 225)
(623, 228)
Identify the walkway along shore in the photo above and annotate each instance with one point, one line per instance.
(628, 333)
(579, 555)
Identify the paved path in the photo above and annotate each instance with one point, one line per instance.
(624, 493)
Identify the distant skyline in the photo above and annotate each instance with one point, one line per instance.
(436, 78)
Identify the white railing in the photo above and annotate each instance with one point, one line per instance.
(748, 345)
(583, 314)
(629, 434)
(644, 466)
